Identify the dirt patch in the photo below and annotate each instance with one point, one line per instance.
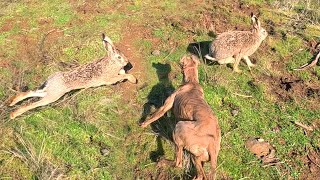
(44, 21)
(32, 52)
(33, 49)
(312, 165)
(215, 19)
(9, 24)
(46, 42)
(88, 7)
(289, 88)
(27, 48)
(4, 64)
(130, 34)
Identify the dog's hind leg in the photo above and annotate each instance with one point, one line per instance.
(200, 171)
(179, 154)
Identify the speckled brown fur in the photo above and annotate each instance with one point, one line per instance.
(230, 47)
(104, 71)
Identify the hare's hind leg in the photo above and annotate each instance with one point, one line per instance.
(47, 99)
(24, 95)
(236, 64)
(249, 63)
(226, 60)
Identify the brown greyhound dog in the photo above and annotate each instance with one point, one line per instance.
(197, 131)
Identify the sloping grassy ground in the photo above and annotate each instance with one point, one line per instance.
(93, 134)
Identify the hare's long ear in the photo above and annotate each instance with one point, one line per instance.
(107, 43)
(255, 21)
(183, 61)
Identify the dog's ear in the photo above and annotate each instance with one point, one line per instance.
(195, 59)
(183, 61)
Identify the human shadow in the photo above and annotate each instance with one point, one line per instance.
(158, 94)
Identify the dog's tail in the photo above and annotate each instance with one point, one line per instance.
(210, 58)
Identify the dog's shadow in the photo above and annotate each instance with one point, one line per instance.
(200, 49)
(156, 98)
(165, 126)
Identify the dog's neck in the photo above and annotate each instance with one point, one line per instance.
(190, 74)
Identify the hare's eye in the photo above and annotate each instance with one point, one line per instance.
(119, 57)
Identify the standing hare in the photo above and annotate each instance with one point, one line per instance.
(197, 130)
(231, 47)
(104, 71)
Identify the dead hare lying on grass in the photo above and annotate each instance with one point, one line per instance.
(231, 47)
(197, 131)
(104, 71)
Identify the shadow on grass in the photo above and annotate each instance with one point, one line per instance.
(165, 126)
(158, 94)
(200, 49)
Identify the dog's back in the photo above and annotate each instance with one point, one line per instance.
(190, 104)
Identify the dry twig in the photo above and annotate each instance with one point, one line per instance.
(241, 95)
(303, 126)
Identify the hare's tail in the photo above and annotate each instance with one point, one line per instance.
(210, 58)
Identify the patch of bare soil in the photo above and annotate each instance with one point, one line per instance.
(11, 23)
(235, 7)
(7, 26)
(162, 171)
(27, 47)
(290, 88)
(45, 20)
(46, 41)
(88, 7)
(160, 174)
(130, 36)
(4, 64)
(213, 19)
(312, 165)
(33, 51)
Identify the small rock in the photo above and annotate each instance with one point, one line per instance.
(234, 112)
(155, 52)
(104, 151)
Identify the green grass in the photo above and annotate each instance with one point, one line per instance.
(69, 134)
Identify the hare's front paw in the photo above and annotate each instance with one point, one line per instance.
(132, 79)
(122, 71)
(237, 70)
(252, 65)
(143, 124)
(13, 115)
